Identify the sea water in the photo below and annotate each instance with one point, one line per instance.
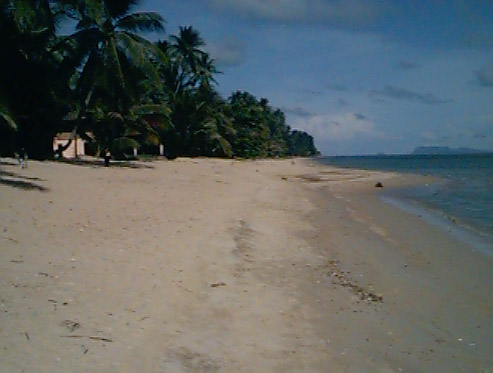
(463, 194)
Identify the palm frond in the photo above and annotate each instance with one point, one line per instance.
(138, 51)
(122, 143)
(150, 109)
(76, 47)
(144, 22)
(226, 147)
(118, 8)
(89, 13)
(112, 61)
(86, 80)
(6, 118)
(33, 16)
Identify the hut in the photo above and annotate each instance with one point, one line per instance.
(76, 148)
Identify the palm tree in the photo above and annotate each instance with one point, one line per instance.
(113, 62)
(213, 134)
(206, 71)
(186, 50)
(31, 81)
(187, 74)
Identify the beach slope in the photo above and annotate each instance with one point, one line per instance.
(221, 265)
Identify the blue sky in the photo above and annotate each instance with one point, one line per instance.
(361, 76)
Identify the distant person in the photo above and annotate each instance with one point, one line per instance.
(107, 157)
(58, 153)
(23, 158)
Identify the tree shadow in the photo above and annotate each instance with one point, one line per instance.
(21, 181)
(12, 174)
(26, 185)
(6, 162)
(97, 163)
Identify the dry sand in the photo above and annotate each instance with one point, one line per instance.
(218, 265)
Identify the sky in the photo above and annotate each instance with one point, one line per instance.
(361, 76)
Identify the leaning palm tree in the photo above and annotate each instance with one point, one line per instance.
(111, 58)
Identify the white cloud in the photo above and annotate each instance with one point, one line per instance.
(298, 111)
(340, 12)
(228, 52)
(485, 75)
(338, 127)
(406, 94)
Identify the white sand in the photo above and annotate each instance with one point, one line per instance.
(207, 265)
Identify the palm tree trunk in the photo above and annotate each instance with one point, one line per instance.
(81, 114)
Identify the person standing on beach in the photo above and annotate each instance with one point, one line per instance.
(59, 152)
(107, 157)
(23, 158)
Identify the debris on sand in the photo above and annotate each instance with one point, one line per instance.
(339, 278)
(94, 338)
(71, 325)
(217, 284)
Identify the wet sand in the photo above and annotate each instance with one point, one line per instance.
(219, 265)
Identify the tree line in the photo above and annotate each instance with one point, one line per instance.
(106, 79)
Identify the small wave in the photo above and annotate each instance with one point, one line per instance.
(448, 223)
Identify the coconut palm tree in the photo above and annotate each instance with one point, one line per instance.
(213, 134)
(112, 61)
(186, 50)
(206, 71)
(187, 74)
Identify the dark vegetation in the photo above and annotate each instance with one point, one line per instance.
(108, 80)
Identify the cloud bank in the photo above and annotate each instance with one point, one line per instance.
(298, 111)
(336, 87)
(407, 95)
(405, 65)
(485, 75)
(339, 127)
(228, 52)
(333, 12)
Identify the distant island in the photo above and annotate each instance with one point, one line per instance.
(446, 150)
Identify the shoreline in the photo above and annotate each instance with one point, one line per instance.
(450, 224)
(460, 227)
(421, 195)
(220, 265)
(422, 273)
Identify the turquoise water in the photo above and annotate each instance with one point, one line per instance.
(465, 191)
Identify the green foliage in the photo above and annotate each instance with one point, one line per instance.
(107, 79)
(32, 94)
(301, 144)
(6, 118)
(262, 130)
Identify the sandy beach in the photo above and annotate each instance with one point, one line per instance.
(204, 265)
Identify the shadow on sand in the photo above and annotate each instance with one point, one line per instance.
(7, 162)
(22, 182)
(84, 162)
(13, 174)
(28, 183)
